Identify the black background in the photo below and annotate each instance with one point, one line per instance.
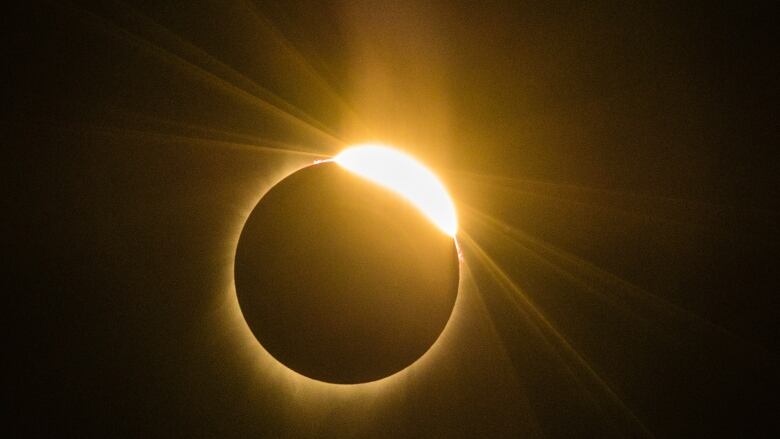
(627, 150)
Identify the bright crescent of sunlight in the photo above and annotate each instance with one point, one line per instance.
(404, 175)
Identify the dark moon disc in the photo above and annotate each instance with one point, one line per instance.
(342, 280)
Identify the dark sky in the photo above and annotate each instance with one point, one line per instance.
(613, 165)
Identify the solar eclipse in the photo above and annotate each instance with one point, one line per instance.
(347, 270)
(612, 260)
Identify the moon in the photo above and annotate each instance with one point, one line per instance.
(344, 278)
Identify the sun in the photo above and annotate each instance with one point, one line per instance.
(405, 176)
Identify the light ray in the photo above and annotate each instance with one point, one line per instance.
(565, 348)
(168, 137)
(680, 212)
(258, 96)
(535, 427)
(298, 58)
(634, 300)
(575, 277)
(160, 128)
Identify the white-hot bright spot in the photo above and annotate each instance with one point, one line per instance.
(407, 177)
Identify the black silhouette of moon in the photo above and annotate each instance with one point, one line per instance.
(342, 280)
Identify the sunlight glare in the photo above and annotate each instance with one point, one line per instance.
(404, 175)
